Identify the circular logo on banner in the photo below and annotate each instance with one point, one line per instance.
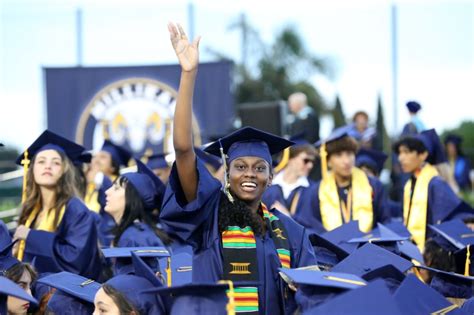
(136, 113)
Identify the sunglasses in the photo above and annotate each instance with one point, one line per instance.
(306, 161)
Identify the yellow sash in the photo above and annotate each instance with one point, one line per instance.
(329, 202)
(46, 224)
(91, 199)
(416, 223)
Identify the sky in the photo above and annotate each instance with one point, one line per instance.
(435, 50)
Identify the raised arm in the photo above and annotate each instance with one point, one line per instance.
(188, 56)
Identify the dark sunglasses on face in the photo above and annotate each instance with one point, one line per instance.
(306, 161)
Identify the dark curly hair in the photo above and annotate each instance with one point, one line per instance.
(238, 214)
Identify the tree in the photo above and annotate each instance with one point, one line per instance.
(338, 114)
(382, 142)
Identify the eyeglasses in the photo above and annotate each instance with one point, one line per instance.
(306, 161)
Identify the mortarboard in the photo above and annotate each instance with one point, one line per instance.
(74, 285)
(207, 158)
(370, 257)
(433, 145)
(119, 154)
(48, 140)
(126, 252)
(389, 274)
(450, 284)
(327, 253)
(374, 298)
(342, 234)
(373, 159)
(454, 236)
(414, 297)
(148, 186)
(248, 141)
(10, 288)
(158, 161)
(6, 258)
(179, 267)
(316, 287)
(452, 138)
(298, 140)
(413, 107)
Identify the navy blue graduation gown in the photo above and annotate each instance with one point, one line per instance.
(196, 223)
(275, 193)
(308, 210)
(444, 204)
(73, 247)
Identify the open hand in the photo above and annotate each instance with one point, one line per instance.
(188, 53)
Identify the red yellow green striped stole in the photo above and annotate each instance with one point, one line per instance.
(241, 261)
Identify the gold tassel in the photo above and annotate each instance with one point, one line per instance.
(168, 273)
(468, 261)
(26, 163)
(284, 161)
(324, 163)
(230, 308)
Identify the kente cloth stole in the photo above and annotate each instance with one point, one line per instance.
(359, 208)
(241, 261)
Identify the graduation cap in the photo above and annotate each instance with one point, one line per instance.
(248, 141)
(74, 285)
(158, 161)
(450, 284)
(298, 140)
(337, 134)
(7, 260)
(342, 234)
(398, 227)
(370, 257)
(48, 140)
(316, 287)
(374, 298)
(61, 302)
(373, 159)
(10, 288)
(389, 274)
(327, 253)
(178, 270)
(413, 107)
(119, 154)
(207, 158)
(197, 298)
(149, 186)
(454, 236)
(433, 145)
(452, 138)
(414, 297)
(85, 157)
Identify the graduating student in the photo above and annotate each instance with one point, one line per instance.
(415, 125)
(130, 202)
(458, 162)
(234, 236)
(296, 164)
(427, 198)
(160, 165)
(55, 228)
(345, 193)
(13, 298)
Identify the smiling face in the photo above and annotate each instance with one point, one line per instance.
(48, 168)
(15, 305)
(248, 178)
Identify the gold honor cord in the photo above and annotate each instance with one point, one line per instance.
(284, 161)
(468, 261)
(168, 273)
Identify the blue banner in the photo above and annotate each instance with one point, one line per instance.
(134, 106)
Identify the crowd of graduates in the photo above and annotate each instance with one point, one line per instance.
(239, 226)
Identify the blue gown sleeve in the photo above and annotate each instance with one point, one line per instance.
(74, 245)
(191, 221)
(380, 204)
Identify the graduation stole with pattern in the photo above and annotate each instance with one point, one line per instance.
(415, 217)
(240, 258)
(46, 224)
(333, 211)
